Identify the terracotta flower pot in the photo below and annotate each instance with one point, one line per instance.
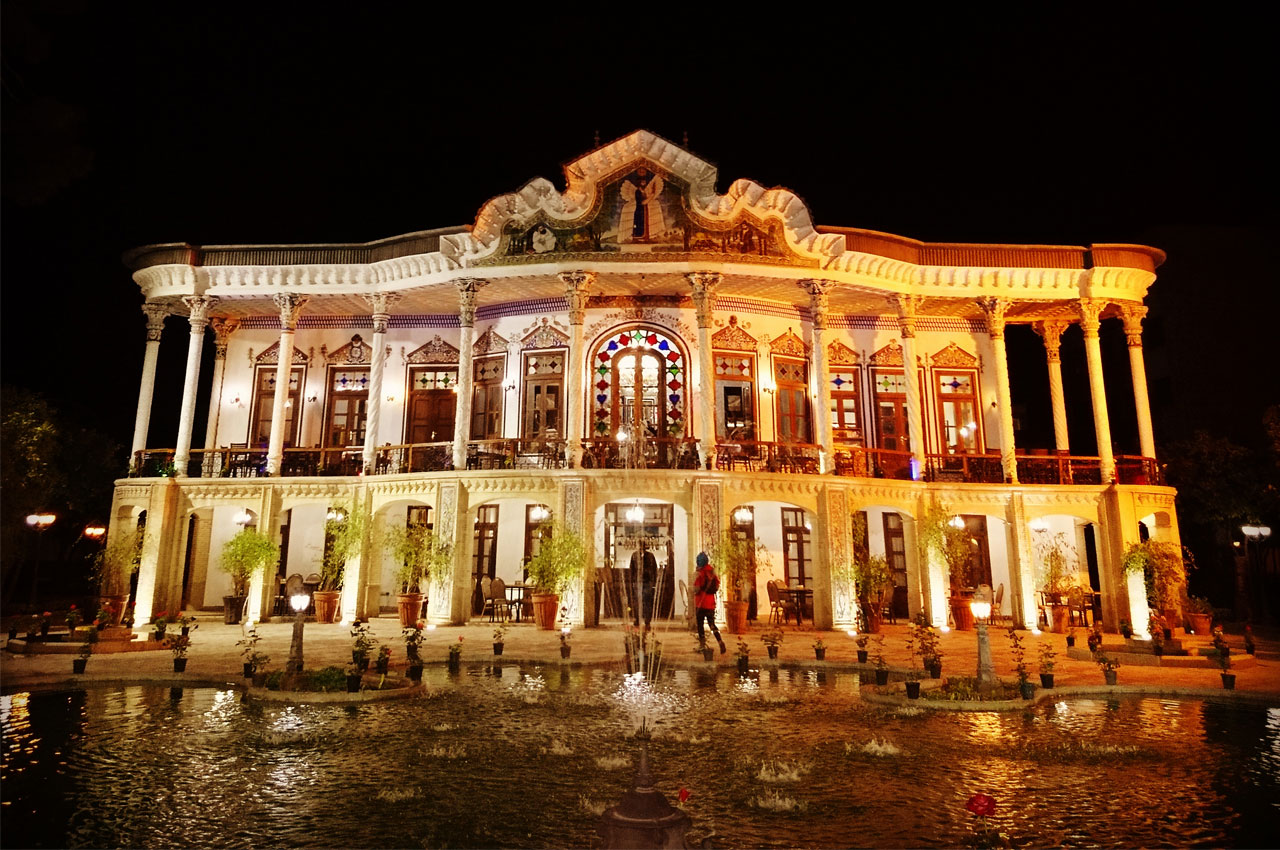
(546, 607)
(736, 617)
(409, 606)
(326, 605)
(1201, 624)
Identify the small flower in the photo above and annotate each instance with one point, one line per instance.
(421, 624)
(684, 794)
(73, 606)
(981, 805)
(47, 614)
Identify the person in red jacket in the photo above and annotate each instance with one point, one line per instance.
(705, 586)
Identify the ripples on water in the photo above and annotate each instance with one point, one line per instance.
(505, 757)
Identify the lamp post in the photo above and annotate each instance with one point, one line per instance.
(41, 523)
(1255, 536)
(981, 609)
(298, 602)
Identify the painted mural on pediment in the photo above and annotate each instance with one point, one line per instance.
(643, 212)
(489, 342)
(890, 355)
(544, 334)
(356, 352)
(733, 338)
(789, 345)
(954, 357)
(435, 351)
(272, 355)
(839, 354)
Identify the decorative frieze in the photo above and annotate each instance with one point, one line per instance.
(271, 356)
(789, 345)
(490, 342)
(890, 355)
(545, 333)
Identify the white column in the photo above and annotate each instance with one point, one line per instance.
(704, 291)
(199, 306)
(290, 307)
(577, 287)
(467, 289)
(381, 303)
(1132, 316)
(993, 310)
(907, 305)
(1090, 313)
(155, 314)
(1051, 332)
(222, 331)
(820, 386)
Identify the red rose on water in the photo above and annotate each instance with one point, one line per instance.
(684, 794)
(982, 805)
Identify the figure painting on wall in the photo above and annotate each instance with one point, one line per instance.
(641, 218)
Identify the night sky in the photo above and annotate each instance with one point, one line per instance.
(125, 124)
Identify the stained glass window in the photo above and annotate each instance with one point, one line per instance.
(655, 377)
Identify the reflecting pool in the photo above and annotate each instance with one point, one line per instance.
(528, 757)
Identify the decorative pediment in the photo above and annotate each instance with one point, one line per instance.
(489, 342)
(435, 351)
(545, 335)
(272, 356)
(890, 355)
(839, 354)
(733, 338)
(354, 353)
(649, 199)
(790, 345)
(955, 357)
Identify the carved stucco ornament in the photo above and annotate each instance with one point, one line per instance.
(790, 345)
(839, 354)
(271, 356)
(890, 355)
(435, 351)
(490, 342)
(544, 334)
(733, 338)
(954, 357)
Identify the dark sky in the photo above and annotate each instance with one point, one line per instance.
(127, 124)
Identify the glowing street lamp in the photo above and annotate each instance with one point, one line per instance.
(95, 532)
(298, 602)
(981, 608)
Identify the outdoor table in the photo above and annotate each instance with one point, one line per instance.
(516, 594)
(798, 594)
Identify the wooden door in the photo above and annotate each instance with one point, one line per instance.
(431, 415)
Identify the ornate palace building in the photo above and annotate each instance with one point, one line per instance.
(641, 358)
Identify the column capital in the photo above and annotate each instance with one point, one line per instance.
(1132, 316)
(1051, 330)
(907, 306)
(468, 287)
(290, 307)
(223, 328)
(380, 305)
(577, 289)
(155, 314)
(818, 301)
(1091, 315)
(199, 306)
(704, 285)
(993, 311)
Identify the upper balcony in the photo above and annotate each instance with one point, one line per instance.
(537, 456)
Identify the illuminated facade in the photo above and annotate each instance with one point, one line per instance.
(638, 339)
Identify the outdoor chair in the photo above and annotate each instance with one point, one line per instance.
(780, 609)
(495, 601)
(886, 607)
(1077, 607)
(997, 610)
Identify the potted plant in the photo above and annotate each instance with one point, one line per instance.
(1155, 627)
(1223, 658)
(113, 566)
(244, 556)
(344, 532)
(1164, 568)
(1057, 558)
(455, 655)
(708, 654)
(861, 642)
(355, 676)
(1047, 655)
(500, 637)
(1071, 637)
(772, 640)
(159, 626)
(383, 662)
(744, 656)
(913, 674)
(1249, 646)
(1095, 638)
(561, 558)
(413, 637)
(178, 645)
(882, 666)
(72, 619)
(46, 622)
(1018, 653)
(940, 531)
(421, 556)
(86, 649)
(1126, 629)
(187, 622)
(361, 644)
(737, 558)
(872, 578)
(566, 632)
(1108, 667)
(1200, 614)
(819, 650)
(250, 656)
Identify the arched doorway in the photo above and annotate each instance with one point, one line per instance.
(639, 384)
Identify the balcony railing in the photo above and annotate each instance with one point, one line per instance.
(646, 453)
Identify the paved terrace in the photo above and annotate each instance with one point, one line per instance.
(214, 657)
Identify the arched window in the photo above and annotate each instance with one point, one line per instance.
(639, 384)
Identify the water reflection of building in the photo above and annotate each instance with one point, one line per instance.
(743, 356)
